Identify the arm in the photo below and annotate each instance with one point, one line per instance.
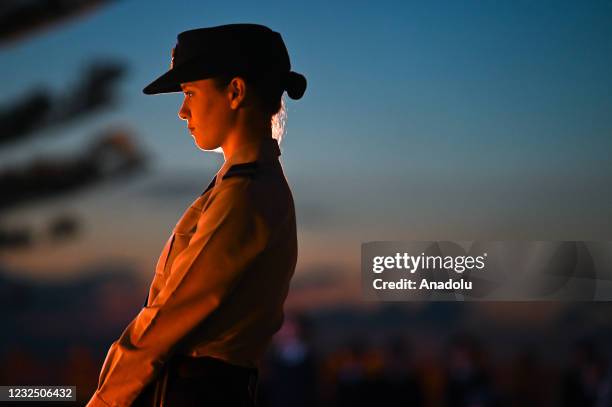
(229, 236)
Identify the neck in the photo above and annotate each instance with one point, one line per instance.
(246, 131)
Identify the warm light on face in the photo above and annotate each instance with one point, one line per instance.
(207, 112)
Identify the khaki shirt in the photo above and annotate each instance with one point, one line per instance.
(220, 281)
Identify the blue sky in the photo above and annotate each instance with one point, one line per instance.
(429, 120)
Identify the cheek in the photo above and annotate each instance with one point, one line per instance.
(212, 118)
(198, 111)
(224, 113)
(206, 112)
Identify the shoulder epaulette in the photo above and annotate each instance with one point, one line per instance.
(241, 170)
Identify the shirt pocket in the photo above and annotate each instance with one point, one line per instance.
(179, 243)
(183, 232)
(163, 258)
(143, 322)
(188, 221)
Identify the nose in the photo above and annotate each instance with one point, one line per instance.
(183, 112)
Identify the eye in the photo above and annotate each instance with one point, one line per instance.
(188, 93)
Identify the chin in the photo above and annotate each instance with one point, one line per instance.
(208, 142)
(208, 147)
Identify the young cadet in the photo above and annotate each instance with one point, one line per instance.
(221, 280)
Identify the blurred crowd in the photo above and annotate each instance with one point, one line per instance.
(388, 369)
(392, 373)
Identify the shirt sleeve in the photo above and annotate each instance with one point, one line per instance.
(229, 236)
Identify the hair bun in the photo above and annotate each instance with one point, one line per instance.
(295, 85)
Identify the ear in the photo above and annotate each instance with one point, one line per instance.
(237, 92)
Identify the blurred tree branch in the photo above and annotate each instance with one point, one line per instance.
(111, 156)
(41, 110)
(19, 18)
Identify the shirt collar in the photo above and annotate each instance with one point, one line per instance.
(264, 150)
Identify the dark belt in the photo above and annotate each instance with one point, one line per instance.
(217, 374)
(204, 367)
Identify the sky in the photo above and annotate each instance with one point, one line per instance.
(421, 121)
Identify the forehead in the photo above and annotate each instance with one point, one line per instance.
(202, 84)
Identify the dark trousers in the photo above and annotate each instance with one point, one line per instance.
(202, 382)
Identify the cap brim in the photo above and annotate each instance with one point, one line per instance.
(169, 82)
(191, 70)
